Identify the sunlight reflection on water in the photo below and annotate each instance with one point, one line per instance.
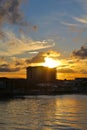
(65, 112)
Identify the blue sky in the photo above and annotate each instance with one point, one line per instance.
(28, 28)
(55, 19)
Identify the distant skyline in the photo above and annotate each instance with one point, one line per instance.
(31, 30)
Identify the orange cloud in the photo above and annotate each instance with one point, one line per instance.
(14, 45)
(39, 58)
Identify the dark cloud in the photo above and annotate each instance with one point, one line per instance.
(9, 70)
(6, 68)
(39, 58)
(35, 28)
(10, 12)
(80, 53)
(18, 63)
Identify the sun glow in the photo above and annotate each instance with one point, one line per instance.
(51, 63)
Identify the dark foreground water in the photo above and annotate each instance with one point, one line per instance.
(65, 112)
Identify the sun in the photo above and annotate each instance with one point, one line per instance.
(51, 63)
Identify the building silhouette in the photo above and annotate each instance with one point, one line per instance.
(41, 74)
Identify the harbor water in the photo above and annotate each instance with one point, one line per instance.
(62, 112)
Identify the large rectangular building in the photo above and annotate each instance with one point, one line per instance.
(41, 74)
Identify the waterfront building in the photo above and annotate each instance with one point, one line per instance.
(41, 74)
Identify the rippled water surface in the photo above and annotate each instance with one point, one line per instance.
(65, 112)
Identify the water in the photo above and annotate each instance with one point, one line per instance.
(65, 112)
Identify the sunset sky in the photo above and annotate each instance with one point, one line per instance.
(31, 30)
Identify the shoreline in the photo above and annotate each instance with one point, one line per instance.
(23, 96)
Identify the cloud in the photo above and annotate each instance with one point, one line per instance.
(3, 60)
(39, 58)
(1, 34)
(12, 64)
(9, 69)
(52, 54)
(13, 45)
(10, 12)
(33, 52)
(78, 29)
(16, 64)
(80, 53)
(83, 3)
(81, 20)
(66, 70)
(83, 71)
(34, 28)
(6, 68)
(69, 24)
